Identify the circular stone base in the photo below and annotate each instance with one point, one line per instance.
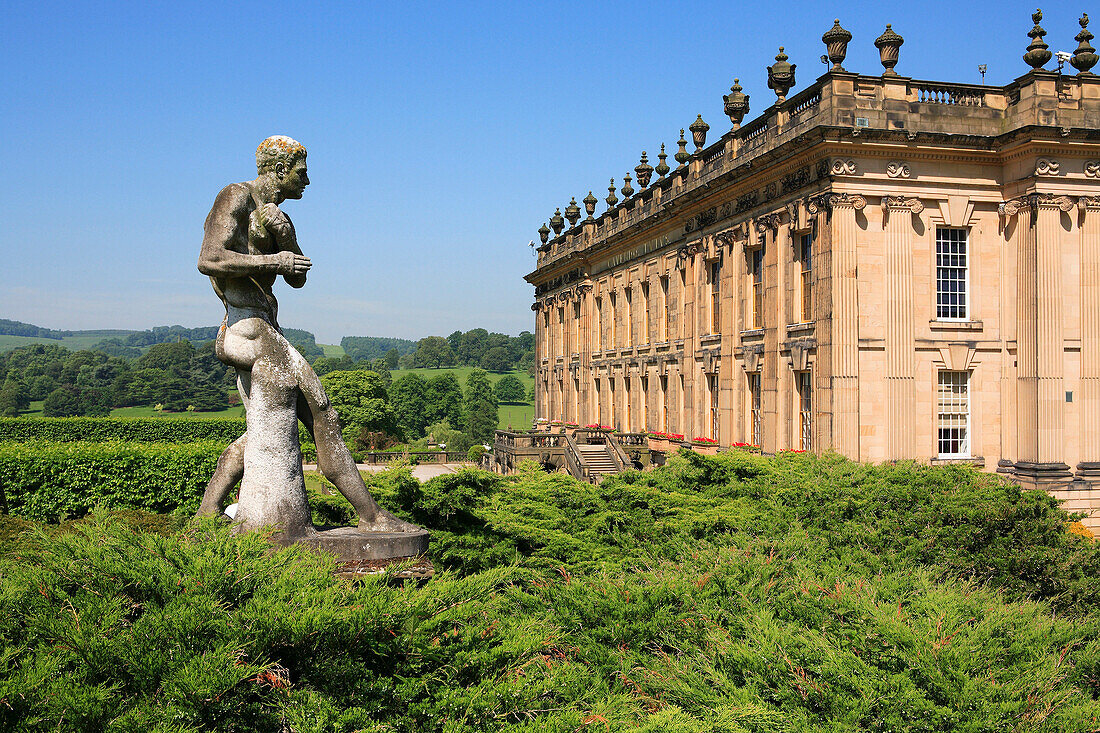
(351, 544)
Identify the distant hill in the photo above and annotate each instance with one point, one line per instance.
(128, 343)
(28, 330)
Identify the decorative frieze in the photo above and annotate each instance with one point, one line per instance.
(898, 169)
(843, 167)
(1046, 167)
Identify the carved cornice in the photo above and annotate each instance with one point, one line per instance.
(1091, 203)
(583, 289)
(536, 306)
(901, 203)
(565, 296)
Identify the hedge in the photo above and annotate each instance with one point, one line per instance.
(49, 481)
(123, 429)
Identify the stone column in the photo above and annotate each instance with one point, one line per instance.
(845, 323)
(897, 214)
(1089, 467)
(1040, 393)
(767, 228)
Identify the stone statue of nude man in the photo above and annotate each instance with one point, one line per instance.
(248, 242)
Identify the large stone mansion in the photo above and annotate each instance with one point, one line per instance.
(875, 265)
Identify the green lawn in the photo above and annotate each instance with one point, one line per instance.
(332, 350)
(464, 371)
(518, 417)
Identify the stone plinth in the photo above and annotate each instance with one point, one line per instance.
(352, 545)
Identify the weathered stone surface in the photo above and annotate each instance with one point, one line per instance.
(248, 243)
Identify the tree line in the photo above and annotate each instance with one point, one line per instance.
(175, 375)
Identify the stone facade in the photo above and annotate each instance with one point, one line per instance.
(879, 266)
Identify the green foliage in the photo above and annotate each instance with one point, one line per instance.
(373, 347)
(481, 407)
(509, 389)
(476, 453)
(407, 396)
(444, 401)
(361, 401)
(728, 594)
(124, 429)
(49, 481)
(433, 352)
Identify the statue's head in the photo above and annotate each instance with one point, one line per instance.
(285, 159)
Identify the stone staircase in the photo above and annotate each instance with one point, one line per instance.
(597, 459)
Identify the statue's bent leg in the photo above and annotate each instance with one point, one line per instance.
(334, 460)
(230, 468)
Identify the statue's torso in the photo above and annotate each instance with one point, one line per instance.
(249, 296)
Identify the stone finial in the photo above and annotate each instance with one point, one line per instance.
(644, 171)
(889, 46)
(737, 104)
(662, 167)
(682, 155)
(590, 204)
(572, 211)
(557, 223)
(781, 76)
(611, 199)
(544, 233)
(699, 132)
(836, 44)
(627, 190)
(1084, 57)
(1038, 53)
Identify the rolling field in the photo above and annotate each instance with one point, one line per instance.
(332, 350)
(76, 343)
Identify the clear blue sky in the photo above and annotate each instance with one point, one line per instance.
(440, 136)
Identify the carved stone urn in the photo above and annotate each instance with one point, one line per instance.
(1084, 56)
(682, 155)
(781, 76)
(611, 199)
(836, 44)
(699, 132)
(627, 190)
(590, 204)
(889, 47)
(544, 233)
(662, 167)
(644, 171)
(557, 223)
(572, 212)
(1038, 53)
(737, 104)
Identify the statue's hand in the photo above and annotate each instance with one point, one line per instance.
(289, 264)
